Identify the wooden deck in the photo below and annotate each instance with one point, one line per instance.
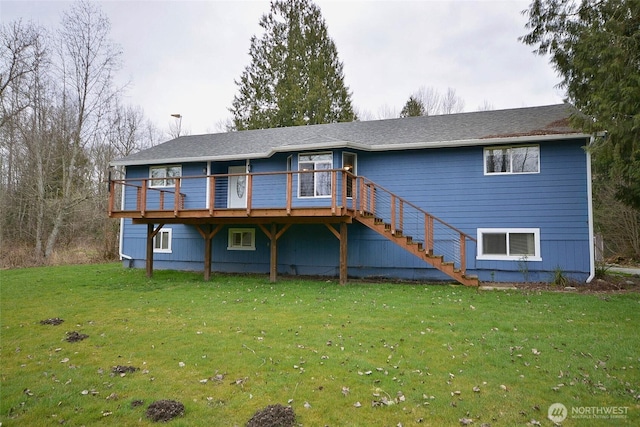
(197, 200)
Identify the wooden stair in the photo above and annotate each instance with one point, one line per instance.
(416, 248)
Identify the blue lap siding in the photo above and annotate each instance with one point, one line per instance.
(447, 182)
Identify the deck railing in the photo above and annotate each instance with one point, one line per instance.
(337, 189)
(329, 188)
(406, 219)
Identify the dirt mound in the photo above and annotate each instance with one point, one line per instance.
(53, 321)
(164, 410)
(75, 336)
(124, 369)
(273, 416)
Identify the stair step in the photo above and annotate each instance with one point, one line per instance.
(377, 224)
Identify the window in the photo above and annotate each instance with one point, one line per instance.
(162, 176)
(316, 184)
(162, 241)
(509, 244)
(349, 163)
(242, 239)
(523, 159)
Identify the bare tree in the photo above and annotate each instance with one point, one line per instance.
(451, 103)
(486, 106)
(430, 99)
(23, 67)
(88, 61)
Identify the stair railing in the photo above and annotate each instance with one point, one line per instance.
(405, 219)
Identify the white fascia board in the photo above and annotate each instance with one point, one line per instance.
(360, 146)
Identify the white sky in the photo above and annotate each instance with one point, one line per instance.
(184, 56)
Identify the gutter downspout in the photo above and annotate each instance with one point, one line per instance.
(592, 255)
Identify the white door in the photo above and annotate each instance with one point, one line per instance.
(237, 193)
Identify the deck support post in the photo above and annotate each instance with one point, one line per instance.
(273, 236)
(342, 237)
(273, 259)
(208, 237)
(151, 233)
(343, 253)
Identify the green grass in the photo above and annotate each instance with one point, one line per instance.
(424, 348)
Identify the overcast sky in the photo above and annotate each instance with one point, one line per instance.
(184, 56)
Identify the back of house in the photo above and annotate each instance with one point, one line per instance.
(498, 196)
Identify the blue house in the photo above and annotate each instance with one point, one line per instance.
(485, 196)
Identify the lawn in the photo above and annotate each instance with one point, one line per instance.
(363, 354)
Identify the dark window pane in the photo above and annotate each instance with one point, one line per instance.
(494, 244)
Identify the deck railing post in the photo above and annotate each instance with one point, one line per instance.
(289, 192)
(401, 216)
(363, 195)
(249, 192)
(372, 198)
(428, 234)
(212, 194)
(176, 198)
(463, 253)
(112, 191)
(334, 190)
(143, 198)
(354, 192)
(393, 214)
(344, 178)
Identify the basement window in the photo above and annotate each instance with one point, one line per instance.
(162, 241)
(242, 239)
(509, 244)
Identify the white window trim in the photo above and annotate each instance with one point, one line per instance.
(164, 180)
(167, 231)
(232, 231)
(315, 171)
(493, 257)
(508, 147)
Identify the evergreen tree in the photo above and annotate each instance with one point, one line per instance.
(413, 108)
(295, 77)
(595, 47)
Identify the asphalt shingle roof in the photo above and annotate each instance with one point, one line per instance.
(484, 127)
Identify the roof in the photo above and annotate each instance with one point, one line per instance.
(452, 130)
